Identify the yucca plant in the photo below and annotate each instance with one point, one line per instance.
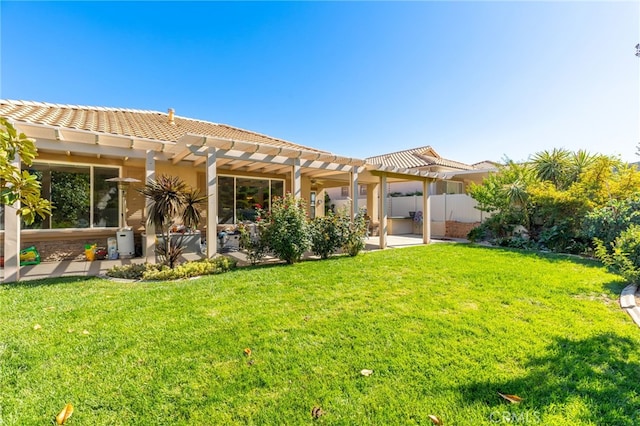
(171, 199)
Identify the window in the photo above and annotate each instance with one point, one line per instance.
(363, 190)
(239, 197)
(448, 187)
(312, 205)
(80, 195)
(344, 191)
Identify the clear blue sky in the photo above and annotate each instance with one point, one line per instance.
(475, 80)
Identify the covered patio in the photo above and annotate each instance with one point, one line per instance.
(202, 154)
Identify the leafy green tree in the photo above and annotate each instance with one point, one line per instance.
(505, 194)
(14, 184)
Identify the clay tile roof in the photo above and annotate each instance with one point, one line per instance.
(142, 124)
(415, 158)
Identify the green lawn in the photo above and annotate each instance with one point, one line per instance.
(444, 328)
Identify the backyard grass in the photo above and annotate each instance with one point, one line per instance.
(444, 328)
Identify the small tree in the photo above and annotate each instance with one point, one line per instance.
(171, 199)
(14, 184)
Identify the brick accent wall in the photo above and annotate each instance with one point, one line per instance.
(459, 229)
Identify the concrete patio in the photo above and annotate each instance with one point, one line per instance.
(68, 268)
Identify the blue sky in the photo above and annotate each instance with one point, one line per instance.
(475, 80)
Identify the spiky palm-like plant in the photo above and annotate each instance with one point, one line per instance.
(170, 199)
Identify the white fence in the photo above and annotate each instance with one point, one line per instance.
(445, 207)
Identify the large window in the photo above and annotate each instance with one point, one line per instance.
(80, 195)
(239, 197)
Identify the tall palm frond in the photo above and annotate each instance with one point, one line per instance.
(552, 166)
(191, 216)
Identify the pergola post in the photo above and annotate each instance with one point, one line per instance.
(296, 179)
(354, 192)
(150, 230)
(426, 212)
(212, 203)
(12, 237)
(383, 211)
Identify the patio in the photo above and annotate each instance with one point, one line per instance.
(70, 268)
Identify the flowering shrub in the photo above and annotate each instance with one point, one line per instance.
(328, 234)
(354, 240)
(252, 241)
(286, 230)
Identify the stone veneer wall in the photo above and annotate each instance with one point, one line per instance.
(459, 229)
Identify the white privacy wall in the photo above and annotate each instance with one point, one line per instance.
(445, 207)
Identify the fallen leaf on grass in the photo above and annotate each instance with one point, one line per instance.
(71, 330)
(250, 362)
(37, 327)
(247, 351)
(436, 420)
(514, 399)
(316, 412)
(66, 412)
(85, 332)
(366, 372)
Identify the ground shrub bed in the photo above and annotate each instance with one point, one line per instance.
(443, 327)
(148, 271)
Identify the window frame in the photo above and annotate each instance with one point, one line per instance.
(91, 167)
(235, 193)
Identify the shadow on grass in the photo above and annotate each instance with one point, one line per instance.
(597, 371)
(44, 282)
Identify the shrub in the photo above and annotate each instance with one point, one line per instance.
(624, 256)
(327, 234)
(148, 271)
(354, 240)
(610, 221)
(252, 241)
(286, 231)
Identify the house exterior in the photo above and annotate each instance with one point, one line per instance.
(452, 211)
(81, 150)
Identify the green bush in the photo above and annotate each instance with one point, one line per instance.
(608, 222)
(253, 243)
(327, 234)
(286, 230)
(624, 255)
(354, 240)
(148, 271)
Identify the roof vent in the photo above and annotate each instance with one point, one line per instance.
(171, 118)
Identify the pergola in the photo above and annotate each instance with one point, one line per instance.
(216, 154)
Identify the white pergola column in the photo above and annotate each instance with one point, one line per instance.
(296, 179)
(150, 230)
(373, 195)
(383, 211)
(354, 192)
(12, 238)
(212, 203)
(426, 212)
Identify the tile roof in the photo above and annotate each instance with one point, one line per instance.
(129, 122)
(416, 158)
